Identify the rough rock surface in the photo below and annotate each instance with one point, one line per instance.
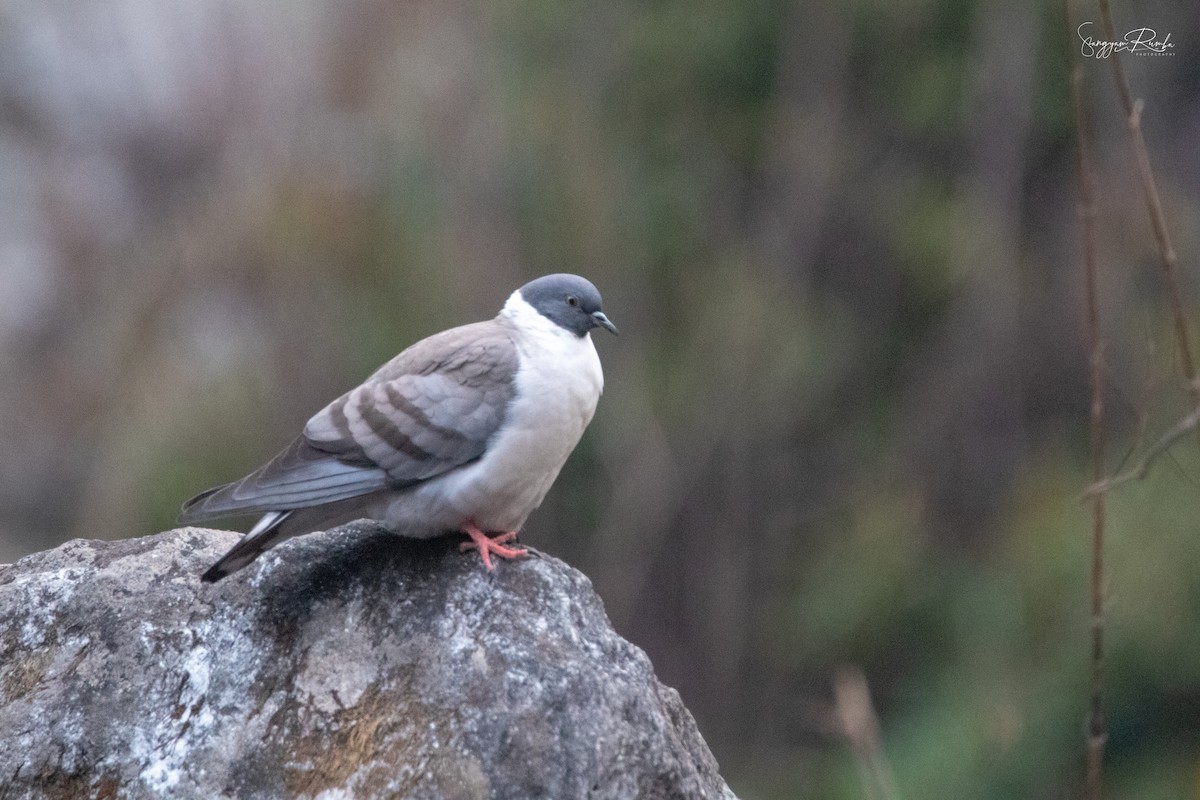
(343, 664)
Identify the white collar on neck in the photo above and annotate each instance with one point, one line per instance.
(529, 319)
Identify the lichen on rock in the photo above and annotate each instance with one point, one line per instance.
(351, 663)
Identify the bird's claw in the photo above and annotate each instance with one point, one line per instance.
(486, 545)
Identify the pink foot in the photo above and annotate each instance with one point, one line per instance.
(486, 545)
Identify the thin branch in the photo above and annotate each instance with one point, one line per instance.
(1097, 726)
(1160, 448)
(1170, 262)
(860, 725)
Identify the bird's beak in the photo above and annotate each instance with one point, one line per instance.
(604, 322)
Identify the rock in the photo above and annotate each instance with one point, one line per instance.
(345, 664)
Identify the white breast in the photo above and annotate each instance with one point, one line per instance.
(558, 384)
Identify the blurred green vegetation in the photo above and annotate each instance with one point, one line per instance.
(846, 420)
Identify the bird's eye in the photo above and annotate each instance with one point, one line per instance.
(572, 300)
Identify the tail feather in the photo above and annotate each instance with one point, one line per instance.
(279, 526)
(262, 537)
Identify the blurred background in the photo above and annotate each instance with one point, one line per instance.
(845, 423)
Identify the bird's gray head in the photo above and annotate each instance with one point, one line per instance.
(569, 301)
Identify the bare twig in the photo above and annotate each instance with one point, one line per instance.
(1160, 448)
(1170, 262)
(1097, 727)
(860, 725)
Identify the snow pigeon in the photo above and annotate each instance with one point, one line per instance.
(464, 431)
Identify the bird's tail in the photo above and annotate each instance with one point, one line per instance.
(268, 532)
(279, 526)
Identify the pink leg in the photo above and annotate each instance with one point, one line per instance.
(490, 544)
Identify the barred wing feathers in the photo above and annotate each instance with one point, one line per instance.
(429, 410)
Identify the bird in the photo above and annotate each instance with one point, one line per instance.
(465, 431)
